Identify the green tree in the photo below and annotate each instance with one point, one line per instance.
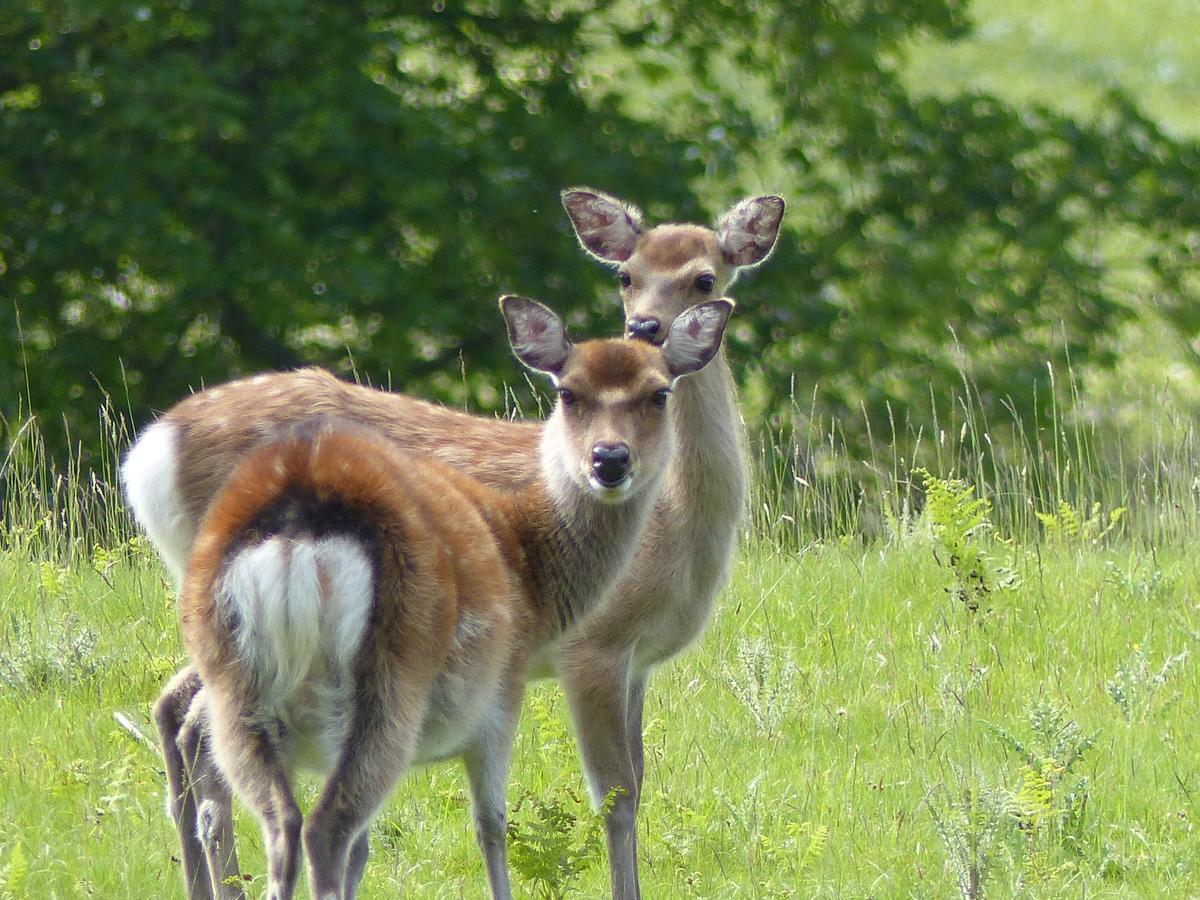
(196, 190)
(930, 237)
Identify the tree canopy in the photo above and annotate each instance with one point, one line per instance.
(194, 191)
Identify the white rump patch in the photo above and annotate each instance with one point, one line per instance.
(301, 608)
(150, 475)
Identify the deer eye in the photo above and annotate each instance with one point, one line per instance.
(705, 282)
(567, 397)
(624, 278)
(659, 397)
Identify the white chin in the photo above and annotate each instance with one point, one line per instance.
(614, 494)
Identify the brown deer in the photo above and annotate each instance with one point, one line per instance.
(352, 608)
(180, 462)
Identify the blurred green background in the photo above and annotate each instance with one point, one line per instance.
(980, 196)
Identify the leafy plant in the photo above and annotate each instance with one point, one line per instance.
(956, 518)
(553, 842)
(1069, 524)
(1135, 684)
(790, 858)
(969, 827)
(763, 680)
(13, 874)
(38, 662)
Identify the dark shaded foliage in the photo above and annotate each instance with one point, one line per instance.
(193, 191)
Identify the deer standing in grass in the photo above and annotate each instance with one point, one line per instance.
(352, 608)
(661, 605)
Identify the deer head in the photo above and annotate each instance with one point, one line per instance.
(609, 434)
(667, 269)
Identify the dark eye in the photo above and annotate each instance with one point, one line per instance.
(624, 278)
(660, 397)
(567, 397)
(705, 282)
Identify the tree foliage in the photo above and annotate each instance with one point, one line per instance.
(192, 191)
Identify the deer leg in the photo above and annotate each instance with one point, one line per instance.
(360, 851)
(487, 762)
(212, 801)
(636, 703)
(598, 692)
(169, 714)
(251, 762)
(378, 749)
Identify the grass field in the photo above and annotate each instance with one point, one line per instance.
(849, 726)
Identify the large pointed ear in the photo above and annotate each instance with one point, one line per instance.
(607, 228)
(536, 334)
(695, 336)
(746, 233)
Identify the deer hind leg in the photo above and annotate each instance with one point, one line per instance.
(170, 713)
(487, 762)
(360, 852)
(251, 762)
(379, 747)
(598, 690)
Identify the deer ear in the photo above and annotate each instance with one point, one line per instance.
(746, 233)
(536, 334)
(607, 228)
(695, 336)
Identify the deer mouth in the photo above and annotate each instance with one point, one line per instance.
(611, 492)
(656, 341)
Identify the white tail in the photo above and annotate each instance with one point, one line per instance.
(303, 606)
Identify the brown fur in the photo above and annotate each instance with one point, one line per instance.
(667, 597)
(446, 549)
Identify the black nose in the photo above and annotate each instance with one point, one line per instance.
(610, 463)
(643, 328)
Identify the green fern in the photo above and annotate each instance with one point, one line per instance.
(552, 843)
(14, 873)
(956, 518)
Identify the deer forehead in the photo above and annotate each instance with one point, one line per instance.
(615, 369)
(670, 248)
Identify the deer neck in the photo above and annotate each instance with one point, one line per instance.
(574, 546)
(708, 474)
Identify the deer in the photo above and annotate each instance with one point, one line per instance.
(661, 605)
(353, 608)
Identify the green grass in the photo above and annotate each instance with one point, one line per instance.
(840, 700)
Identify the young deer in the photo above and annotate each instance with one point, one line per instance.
(179, 463)
(353, 609)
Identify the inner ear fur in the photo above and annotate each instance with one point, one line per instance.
(536, 333)
(695, 336)
(607, 228)
(746, 233)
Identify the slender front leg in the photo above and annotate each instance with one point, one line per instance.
(487, 762)
(169, 714)
(636, 703)
(597, 687)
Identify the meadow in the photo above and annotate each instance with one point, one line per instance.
(915, 685)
